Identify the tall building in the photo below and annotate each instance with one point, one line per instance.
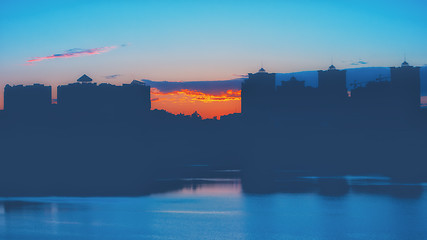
(27, 99)
(374, 97)
(258, 92)
(332, 84)
(87, 97)
(295, 96)
(81, 95)
(405, 81)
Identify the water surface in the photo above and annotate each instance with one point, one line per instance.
(219, 211)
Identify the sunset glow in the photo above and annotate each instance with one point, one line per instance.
(187, 101)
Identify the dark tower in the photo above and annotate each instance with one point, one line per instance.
(332, 84)
(258, 92)
(405, 82)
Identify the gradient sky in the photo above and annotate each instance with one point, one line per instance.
(202, 40)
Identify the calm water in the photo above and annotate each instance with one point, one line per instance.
(218, 211)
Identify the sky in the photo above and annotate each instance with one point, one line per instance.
(55, 42)
(209, 98)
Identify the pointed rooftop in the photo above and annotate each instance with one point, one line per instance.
(84, 79)
(405, 64)
(332, 68)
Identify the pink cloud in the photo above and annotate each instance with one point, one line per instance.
(75, 52)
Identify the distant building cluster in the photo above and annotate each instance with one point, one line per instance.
(260, 96)
(400, 94)
(82, 97)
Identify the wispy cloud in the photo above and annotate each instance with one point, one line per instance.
(240, 75)
(74, 52)
(112, 76)
(360, 62)
(209, 87)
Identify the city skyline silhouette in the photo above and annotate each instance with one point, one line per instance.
(139, 40)
(217, 98)
(213, 119)
(293, 110)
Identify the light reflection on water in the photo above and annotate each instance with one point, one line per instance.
(209, 209)
(209, 187)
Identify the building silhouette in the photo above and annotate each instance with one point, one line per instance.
(81, 99)
(260, 96)
(258, 92)
(406, 85)
(374, 100)
(22, 99)
(373, 97)
(332, 88)
(91, 98)
(103, 140)
(294, 96)
(79, 96)
(399, 96)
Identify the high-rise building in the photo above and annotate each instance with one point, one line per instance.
(27, 99)
(405, 81)
(374, 97)
(88, 97)
(81, 95)
(258, 92)
(294, 95)
(332, 84)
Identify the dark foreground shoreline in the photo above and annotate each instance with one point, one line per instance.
(99, 157)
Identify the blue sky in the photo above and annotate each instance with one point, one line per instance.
(204, 40)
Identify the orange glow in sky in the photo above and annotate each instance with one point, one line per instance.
(187, 101)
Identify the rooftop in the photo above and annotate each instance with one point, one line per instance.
(84, 79)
